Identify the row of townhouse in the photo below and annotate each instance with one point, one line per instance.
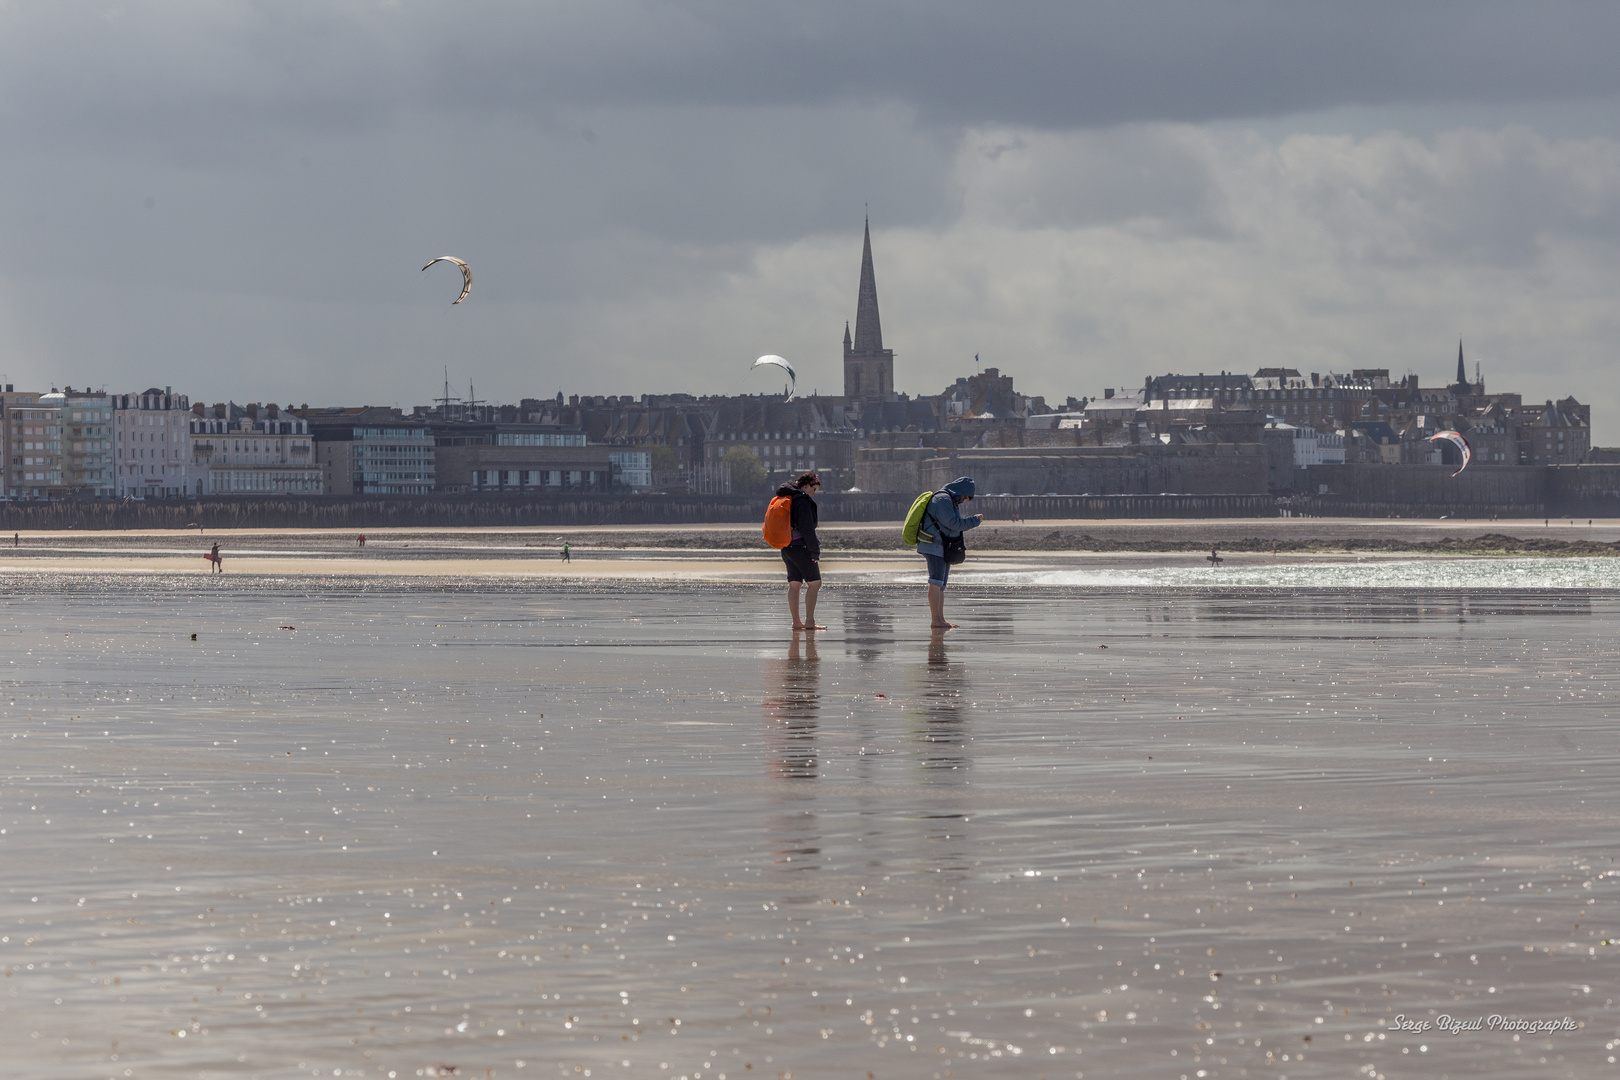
(154, 444)
(158, 444)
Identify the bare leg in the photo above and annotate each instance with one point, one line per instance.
(810, 591)
(936, 607)
(793, 604)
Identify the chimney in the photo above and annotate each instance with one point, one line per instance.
(1109, 392)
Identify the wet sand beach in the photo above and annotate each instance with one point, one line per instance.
(387, 823)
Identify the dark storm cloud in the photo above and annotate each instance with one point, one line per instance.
(212, 78)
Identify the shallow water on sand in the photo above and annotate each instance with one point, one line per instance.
(1300, 572)
(540, 829)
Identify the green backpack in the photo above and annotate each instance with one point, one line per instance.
(914, 517)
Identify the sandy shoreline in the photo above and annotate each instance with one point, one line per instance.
(1035, 535)
(735, 552)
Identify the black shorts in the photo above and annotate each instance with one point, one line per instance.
(800, 566)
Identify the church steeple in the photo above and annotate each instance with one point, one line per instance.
(868, 331)
(868, 366)
(1462, 386)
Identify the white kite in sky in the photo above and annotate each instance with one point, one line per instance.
(777, 361)
(466, 276)
(1456, 439)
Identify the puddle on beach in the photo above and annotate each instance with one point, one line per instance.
(628, 831)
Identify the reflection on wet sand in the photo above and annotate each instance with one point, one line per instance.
(792, 712)
(868, 626)
(943, 736)
(941, 752)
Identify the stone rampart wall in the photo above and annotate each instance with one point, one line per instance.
(1430, 486)
(1216, 469)
(1589, 490)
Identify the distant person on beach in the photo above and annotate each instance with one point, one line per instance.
(803, 553)
(943, 519)
(565, 556)
(215, 563)
(362, 539)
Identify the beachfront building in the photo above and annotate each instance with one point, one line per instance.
(253, 450)
(632, 468)
(151, 436)
(87, 443)
(13, 403)
(371, 451)
(34, 444)
(535, 458)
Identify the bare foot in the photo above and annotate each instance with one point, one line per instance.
(797, 627)
(813, 626)
(942, 626)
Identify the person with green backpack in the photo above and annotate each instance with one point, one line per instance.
(937, 527)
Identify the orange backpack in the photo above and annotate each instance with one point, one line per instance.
(778, 530)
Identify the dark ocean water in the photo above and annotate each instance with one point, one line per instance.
(385, 828)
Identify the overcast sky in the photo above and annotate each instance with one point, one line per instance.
(236, 199)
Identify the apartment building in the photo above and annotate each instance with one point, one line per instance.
(152, 457)
(531, 457)
(87, 461)
(12, 402)
(253, 450)
(34, 445)
(371, 451)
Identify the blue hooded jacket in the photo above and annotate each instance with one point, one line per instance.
(942, 516)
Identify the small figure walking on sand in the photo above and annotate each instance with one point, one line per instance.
(1214, 557)
(943, 521)
(215, 563)
(362, 539)
(565, 556)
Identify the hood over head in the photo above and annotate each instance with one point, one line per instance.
(961, 488)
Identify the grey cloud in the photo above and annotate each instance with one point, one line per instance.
(208, 80)
(1025, 179)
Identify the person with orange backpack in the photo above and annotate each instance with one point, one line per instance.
(790, 527)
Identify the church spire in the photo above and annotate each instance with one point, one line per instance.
(846, 336)
(868, 332)
(1462, 373)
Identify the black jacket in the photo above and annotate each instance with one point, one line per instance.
(803, 517)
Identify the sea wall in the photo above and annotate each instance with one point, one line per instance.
(1120, 483)
(1426, 485)
(488, 510)
(1583, 490)
(1213, 469)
